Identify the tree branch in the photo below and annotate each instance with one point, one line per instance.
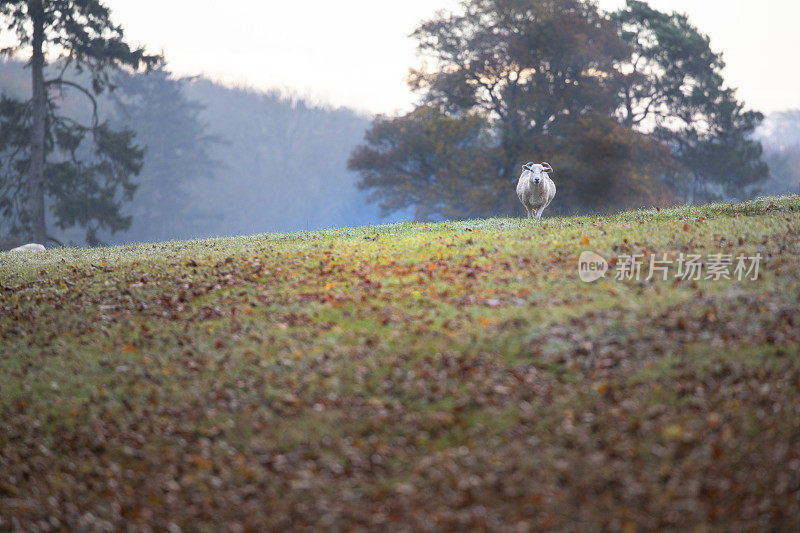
(61, 81)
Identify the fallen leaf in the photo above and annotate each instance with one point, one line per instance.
(673, 432)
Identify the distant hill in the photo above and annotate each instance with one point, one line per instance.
(780, 136)
(275, 163)
(283, 161)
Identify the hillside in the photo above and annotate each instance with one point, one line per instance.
(432, 377)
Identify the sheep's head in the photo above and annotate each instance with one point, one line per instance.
(536, 172)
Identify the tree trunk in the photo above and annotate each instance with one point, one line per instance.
(38, 229)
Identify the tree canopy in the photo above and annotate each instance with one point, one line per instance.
(629, 108)
(672, 86)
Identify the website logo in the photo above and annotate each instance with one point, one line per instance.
(591, 266)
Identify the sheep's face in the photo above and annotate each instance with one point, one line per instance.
(535, 172)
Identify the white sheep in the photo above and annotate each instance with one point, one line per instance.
(535, 188)
(30, 247)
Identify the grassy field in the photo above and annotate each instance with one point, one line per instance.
(453, 376)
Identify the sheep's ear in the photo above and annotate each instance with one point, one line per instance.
(547, 167)
(527, 166)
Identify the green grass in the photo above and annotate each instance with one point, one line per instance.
(441, 376)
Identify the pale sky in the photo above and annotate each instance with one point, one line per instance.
(357, 52)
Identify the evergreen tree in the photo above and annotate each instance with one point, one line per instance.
(83, 167)
(672, 85)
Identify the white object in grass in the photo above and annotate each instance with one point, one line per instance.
(30, 247)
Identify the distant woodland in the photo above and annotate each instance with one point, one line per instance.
(224, 161)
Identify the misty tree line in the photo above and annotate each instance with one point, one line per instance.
(780, 137)
(629, 107)
(74, 139)
(223, 161)
(220, 160)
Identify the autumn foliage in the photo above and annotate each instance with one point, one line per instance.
(629, 108)
(609, 167)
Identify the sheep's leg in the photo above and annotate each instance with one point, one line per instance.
(528, 209)
(539, 212)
